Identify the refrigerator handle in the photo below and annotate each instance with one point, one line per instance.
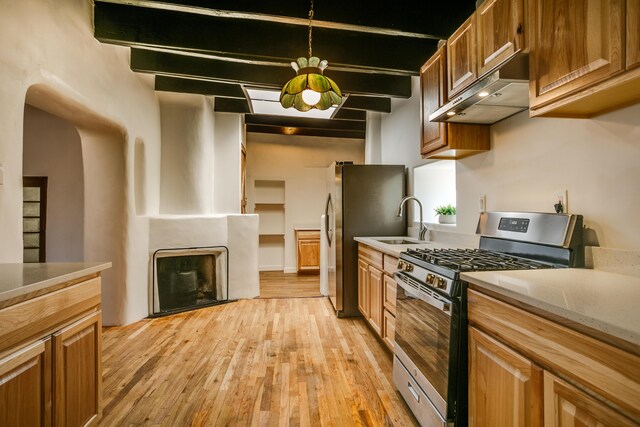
(327, 222)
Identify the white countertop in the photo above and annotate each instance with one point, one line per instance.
(395, 250)
(18, 279)
(601, 302)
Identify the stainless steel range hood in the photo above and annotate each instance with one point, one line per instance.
(496, 96)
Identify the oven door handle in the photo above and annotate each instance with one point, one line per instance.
(443, 306)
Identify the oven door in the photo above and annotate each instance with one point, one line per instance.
(427, 341)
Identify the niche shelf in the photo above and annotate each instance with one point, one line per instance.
(269, 204)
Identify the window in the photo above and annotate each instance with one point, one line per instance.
(435, 185)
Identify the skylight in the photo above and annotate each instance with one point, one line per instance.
(264, 101)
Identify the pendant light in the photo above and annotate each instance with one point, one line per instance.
(310, 88)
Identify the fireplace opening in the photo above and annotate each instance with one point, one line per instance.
(188, 278)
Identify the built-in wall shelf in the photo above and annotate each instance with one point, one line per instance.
(269, 204)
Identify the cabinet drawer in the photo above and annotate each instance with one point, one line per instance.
(610, 372)
(390, 264)
(40, 316)
(370, 256)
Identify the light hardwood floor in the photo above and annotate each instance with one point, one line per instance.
(276, 284)
(261, 362)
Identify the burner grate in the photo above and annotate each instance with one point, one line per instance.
(474, 260)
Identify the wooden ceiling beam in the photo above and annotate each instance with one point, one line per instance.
(203, 87)
(133, 25)
(370, 103)
(301, 122)
(231, 105)
(171, 64)
(327, 133)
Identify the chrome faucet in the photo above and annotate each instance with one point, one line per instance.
(423, 228)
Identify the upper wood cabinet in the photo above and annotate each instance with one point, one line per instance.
(434, 89)
(500, 32)
(462, 66)
(573, 44)
(633, 33)
(505, 388)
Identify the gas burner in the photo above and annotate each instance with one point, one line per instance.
(473, 260)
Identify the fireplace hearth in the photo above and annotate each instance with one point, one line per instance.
(189, 278)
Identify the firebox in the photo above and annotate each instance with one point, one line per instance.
(189, 278)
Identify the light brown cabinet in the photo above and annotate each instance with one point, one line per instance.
(505, 388)
(25, 386)
(462, 66)
(527, 370)
(584, 57)
(441, 140)
(500, 32)
(77, 372)
(376, 291)
(50, 357)
(308, 249)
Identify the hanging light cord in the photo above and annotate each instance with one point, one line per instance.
(310, 28)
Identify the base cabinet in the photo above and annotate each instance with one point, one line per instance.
(25, 386)
(77, 371)
(308, 249)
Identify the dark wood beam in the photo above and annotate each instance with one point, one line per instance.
(171, 64)
(300, 122)
(256, 39)
(439, 18)
(370, 103)
(327, 133)
(204, 87)
(347, 114)
(231, 105)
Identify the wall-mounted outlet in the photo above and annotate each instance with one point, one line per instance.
(482, 203)
(561, 201)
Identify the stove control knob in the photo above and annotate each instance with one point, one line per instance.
(408, 267)
(440, 283)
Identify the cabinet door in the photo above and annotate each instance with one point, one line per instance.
(25, 386)
(574, 44)
(78, 372)
(505, 388)
(566, 406)
(390, 290)
(363, 288)
(633, 33)
(461, 58)
(433, 88)
(308, 254)
(389, 330)
(500, 32)
(375, 299)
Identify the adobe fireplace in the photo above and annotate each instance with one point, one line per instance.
(188, 278)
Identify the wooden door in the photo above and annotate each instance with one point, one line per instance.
(375, 299)
(25, 386)
(389, 330)
(433, 88)
(505, 388)
(574, 44)
(500, 32)
(566, 406)
(78, 372)
(462, 67)
(363, 288)
(633, 33)
(390, 290)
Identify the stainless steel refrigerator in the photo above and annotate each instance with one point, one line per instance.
(362, 200)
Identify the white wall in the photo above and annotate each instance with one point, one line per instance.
(187, 154)
(52, 148)
(301, 161)
(229, 137)
(373, 139)
(597, 160)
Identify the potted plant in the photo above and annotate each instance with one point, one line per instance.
(446, 214)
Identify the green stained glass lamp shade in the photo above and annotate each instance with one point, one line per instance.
(310, 88)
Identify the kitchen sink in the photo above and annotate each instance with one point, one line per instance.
(401, 241)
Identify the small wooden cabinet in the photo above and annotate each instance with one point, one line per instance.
(441, 140)
(500, 32)
(527, 370)
(377, 291)
(633, 34)
(308, 249)
(462, 66)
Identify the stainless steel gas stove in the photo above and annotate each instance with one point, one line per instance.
(430, 363)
